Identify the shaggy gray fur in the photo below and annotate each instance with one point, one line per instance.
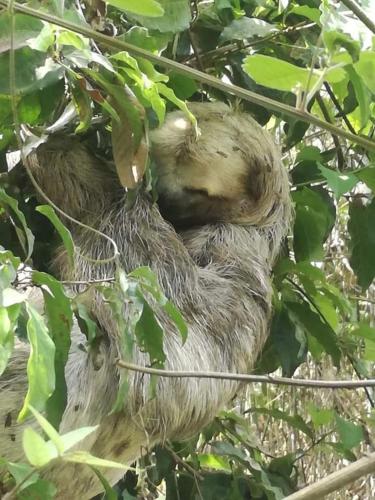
(218, 275)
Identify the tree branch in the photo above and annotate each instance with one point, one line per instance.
(247, 95)
(241, 377)
(356, 9)
(336, 480)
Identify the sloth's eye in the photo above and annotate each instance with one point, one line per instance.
(201, 192)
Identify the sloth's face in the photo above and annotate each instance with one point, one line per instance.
(199, 178)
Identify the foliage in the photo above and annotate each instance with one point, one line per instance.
(313, 55)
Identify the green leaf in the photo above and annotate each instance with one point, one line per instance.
(64, 233)
(25, 236)
(311, 322)
(72, 438)
(140, 37)
(215, 462)
(177, 17)
(183, 86)
(170, 95)
(6, 136)
(9, 265)
(144, 75)
(41, 489)
(37, 451)
(177, 319)
(309, 153)
(339, 182)
(48, 429)
(83, 105)
(29, 109)
(149, 335)
(227, 448)
(326, 304)
(8, 323)
(23, 473)
(277, 74)
(295, 421)
(365, 68)
(44, 40)
(369, 352)
(40, 365)
(351, 435)
(364, 331)
(110, 493)
(361, 227)
(10, 297)
(367, 175)
(335, 40)
(367, 333)
(26, 27)
(246, 27)
(148, 8)
(10, 300)
(84, 457)
(87, 325)
(148, 282)
(60, 320)
(34, 71)
(306, 11)
(289, 342)
(320, 416)
(73, 39)
(312, 225)
(362, 95)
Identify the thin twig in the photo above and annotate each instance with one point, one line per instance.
(116, 253)
(111, 279)
(183, 464)
(327, 117)
(195, 50)
(212, 81)
(314, 443)
(361, 299)
(243, 377)
(359, 375)
(238, 46)
(342, 114)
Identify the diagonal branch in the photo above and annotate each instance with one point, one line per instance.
(247, 95)
(361, 14)
(336, 480)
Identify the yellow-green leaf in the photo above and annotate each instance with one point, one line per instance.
(37, 451)
(40, 366)
(148, 8)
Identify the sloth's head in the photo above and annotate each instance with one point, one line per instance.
(231, 172)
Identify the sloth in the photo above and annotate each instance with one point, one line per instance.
(224, 209)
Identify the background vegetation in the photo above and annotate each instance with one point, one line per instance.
(306, 71)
